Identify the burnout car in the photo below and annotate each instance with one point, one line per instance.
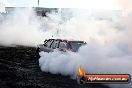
(62, 45)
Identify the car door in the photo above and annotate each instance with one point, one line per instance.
(62, 46)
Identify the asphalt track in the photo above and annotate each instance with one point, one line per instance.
(19, 68)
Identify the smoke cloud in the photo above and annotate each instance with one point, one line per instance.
(20, 27)
(3, 4)
(126, 6)
(107, 34)
(94, 58)
(108, 48)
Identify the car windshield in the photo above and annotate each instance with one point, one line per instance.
(76, 45)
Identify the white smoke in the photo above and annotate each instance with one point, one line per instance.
(20, 27)
(93, 57)
(108, 48)
(3, 4)
(107, 33)
(126, 6)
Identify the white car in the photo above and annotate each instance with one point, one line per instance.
(62, 45)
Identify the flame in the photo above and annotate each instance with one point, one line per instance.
(81, 71)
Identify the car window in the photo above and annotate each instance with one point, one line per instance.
(76, 45)
(45, 41)
(62, 44)
(48, 43)
(55, 44)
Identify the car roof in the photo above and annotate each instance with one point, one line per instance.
(75, 41)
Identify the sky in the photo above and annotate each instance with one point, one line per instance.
(124, 5)
(90, 4)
